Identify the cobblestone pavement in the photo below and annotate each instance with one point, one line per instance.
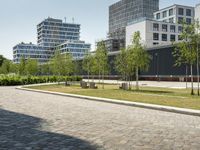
(38, 121)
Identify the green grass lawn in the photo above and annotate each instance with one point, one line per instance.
(160, 96)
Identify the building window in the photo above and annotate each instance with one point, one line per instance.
(188, 12)
(171, 12)
(180, 29)
(158, 16)
(165, 20)
(155, 36)
(181, 11)
(172, 38)
(164, 27)
(164, 14)
(155, 27)
(180, 20)
(155, 43)
(164, 37)
(171, 20)
(173, 28)
(188, 20)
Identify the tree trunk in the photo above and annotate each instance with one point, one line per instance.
(137, 78)
(129, 82)
(103, 78)
(192, 86)
(99, 76)
(198, 69)
(88, 76)
(186, 72)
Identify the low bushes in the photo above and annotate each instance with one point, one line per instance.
(11, 80)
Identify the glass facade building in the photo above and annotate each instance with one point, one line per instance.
(31, 51)
(52, 32)
(126, 11)
(78, 49)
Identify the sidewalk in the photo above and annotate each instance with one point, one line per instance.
(162, 84)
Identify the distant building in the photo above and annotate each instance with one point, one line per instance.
(126, 11)
(78, 49)
(52, 34)
(175, 14)
(112, 45)
(164, 29)
(31, 51)
(154, 33)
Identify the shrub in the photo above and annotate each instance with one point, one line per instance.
(12, 80)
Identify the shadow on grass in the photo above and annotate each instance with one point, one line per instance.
(147, 91)
(153, 91)
(19, 131)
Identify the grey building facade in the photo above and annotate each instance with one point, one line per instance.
(125, 11)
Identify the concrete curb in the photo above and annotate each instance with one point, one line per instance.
(121, 102)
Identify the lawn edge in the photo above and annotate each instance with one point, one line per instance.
(185, 111)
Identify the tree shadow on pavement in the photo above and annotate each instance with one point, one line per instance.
(19, 132)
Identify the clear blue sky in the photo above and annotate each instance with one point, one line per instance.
(18, 18)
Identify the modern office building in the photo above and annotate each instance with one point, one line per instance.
(52, 32)
(197, 12)
(154, 33)
(121, 14)
(78, 49)
(164, 29)
(176, 14)
(112, 45)
(31, 51)
(126, 11)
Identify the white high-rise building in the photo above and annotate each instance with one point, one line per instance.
(175, 14)
(197, 12)
(164, 29)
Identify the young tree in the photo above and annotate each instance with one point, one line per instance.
(68, 64)
(185, 51)
(22, 66)
(62, 64)
(138, 57)
(45, 68)
(121, 63)
(101, 57)
(197, 37)
(31, 67)
(2, 60)
(6, 67)
(13, 68)
(88, 65)
(56, 63)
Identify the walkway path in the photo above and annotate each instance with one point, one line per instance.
(162, 84)
(37, 121)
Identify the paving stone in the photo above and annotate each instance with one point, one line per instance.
(30, 120)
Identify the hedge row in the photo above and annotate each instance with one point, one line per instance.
(25, 80)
